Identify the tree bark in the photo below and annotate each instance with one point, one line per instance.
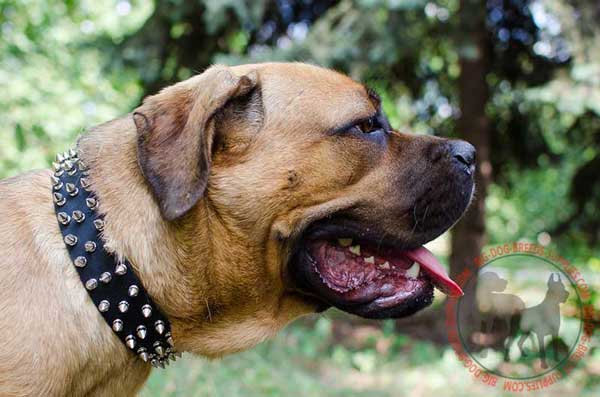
(469, 235)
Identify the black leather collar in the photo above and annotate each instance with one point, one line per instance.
(112, 285)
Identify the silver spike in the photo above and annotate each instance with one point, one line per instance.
(154, 362)
(105, 277)
(70, 240)
(85, 183)
(72, 153)
(147, 310)
(80, 261)
(99, 224)
(71, 189)
(59, 199)
(91, 284)
(65, 154)
(159, 325)
(121, 269)
(59, 158)
(123, 306)
(117, 325)
(130, 341)
(79, 216)
(56, 167)
(143, 353)
(56, 183)
(169, 339)
(91, 202)
(133, 290)
(161, 363)
(90, 246)
(63, 218)
(141, 331)
(67, 165)
(159, 349)
(104, 305)
(82, 166)
(171, 357)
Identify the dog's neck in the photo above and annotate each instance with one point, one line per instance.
(159, 257)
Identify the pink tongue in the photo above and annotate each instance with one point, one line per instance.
(435, 270)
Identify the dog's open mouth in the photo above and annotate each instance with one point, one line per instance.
(363, 277)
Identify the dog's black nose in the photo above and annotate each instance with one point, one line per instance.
(463, 154)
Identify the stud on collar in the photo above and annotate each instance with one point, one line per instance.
(112, 285)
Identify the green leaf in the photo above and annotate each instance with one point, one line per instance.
(20, 138)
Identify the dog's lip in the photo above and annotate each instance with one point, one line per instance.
(373, 301)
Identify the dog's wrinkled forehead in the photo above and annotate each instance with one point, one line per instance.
(291, 92)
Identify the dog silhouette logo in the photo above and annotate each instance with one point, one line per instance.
(521, 323)
(543, 319)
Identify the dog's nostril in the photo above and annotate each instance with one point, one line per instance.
(464, 153)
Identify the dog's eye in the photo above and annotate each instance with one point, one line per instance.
(367, 126)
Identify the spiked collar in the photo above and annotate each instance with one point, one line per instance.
(112, 285)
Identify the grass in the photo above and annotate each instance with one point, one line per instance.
(310, 358)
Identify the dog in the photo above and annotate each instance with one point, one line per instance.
(544, 319)
(244, 197)
(498, 312)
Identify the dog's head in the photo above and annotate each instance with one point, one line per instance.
(491, 282)
(303, 195)
(556, 289)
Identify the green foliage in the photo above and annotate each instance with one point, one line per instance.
(306, 360)
(68, 65)
(53, 79)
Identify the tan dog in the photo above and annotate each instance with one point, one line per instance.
(244, 197)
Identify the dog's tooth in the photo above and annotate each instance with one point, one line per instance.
(355, 249)
(141, 331)
(159, 325)
(345, 242)
(370, 259)
(413, 271)
(385, 265)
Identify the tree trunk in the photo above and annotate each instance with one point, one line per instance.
(469, 235)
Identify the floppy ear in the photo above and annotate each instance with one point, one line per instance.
(175, 134)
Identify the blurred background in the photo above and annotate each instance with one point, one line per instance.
(520, 79)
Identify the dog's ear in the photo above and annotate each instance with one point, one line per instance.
(175, 135)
